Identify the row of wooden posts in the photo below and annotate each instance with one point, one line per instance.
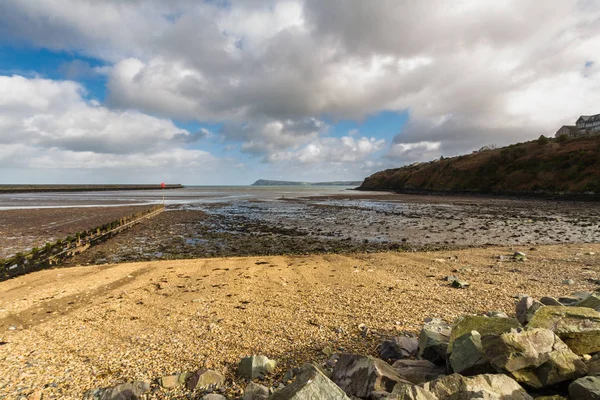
(53, 253)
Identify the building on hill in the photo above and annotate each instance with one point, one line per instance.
(586, 125)
(589, 124)
(569, 130)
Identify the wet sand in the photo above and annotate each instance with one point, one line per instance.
(340, 224)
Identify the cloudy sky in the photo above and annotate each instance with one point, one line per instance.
(227, 92)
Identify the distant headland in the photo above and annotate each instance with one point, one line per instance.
(265, 182)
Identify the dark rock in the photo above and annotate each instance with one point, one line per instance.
(535, 357)
(310, 383)
(586, 388)
(360, 375)
(255, 366)
(578, 327)
(550, 301)
(433, 341)
(418, 371)
(399, 348)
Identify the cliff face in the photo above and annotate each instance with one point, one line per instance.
(527, 168)
(265, 182)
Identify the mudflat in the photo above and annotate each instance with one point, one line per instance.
(63, 331)
(20, 230)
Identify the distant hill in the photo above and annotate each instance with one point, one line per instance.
(545, 166)
(265, 182)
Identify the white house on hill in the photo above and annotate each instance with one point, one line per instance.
(586, 125)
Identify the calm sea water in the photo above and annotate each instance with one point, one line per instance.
(189, 195)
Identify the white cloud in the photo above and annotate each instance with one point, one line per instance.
(47, 124)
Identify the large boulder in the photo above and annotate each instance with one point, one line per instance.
(418, 371)
(360, 375)
(398, 348)
(255, 366)
(535, 357)
(433, 341)
(123, 391)
(578, 327)
(586, 388)
(310, 383)
(525, 309)
(466, 352)
(485, 386)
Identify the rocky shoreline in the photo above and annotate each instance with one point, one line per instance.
(551, 350)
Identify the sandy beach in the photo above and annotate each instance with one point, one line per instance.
(67, 330)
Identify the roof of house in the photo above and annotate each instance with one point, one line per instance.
(590, 118)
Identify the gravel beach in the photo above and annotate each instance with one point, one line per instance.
(63, 331)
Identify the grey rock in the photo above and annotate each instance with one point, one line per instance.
(467, 356)
(525, 309)
(205, 379)
(466, 352)
(398, 348)
(568, 301)
(418, 371)
(359, 375)
(255, 366)
(568, 282)
(535, 357)
(214, 396)
(460, 284)
(586, 388)
(496, 314)
(433, 341)
(310, 383)
(550, 301)
(486, 386)
(254, 391)
(404, 391)
(123, 391)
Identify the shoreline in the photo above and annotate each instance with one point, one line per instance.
(83, 327)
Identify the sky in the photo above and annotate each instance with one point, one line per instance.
(226, 92)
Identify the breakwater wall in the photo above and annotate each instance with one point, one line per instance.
(53, 253)
(81, 188)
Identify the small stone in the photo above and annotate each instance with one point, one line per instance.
(213, 396)
(123, 391)
(172, 381)
(568, 282)
(586, 388)
(496, 314)
(460, 284)
(204, 379)
(255, 366)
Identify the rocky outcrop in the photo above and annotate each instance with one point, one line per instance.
(398, 348)
(123, 391)
(587, 388)
(433, 341)
(487, 386)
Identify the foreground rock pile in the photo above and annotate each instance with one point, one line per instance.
(551, 350)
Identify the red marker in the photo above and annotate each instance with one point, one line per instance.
(162, 185)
